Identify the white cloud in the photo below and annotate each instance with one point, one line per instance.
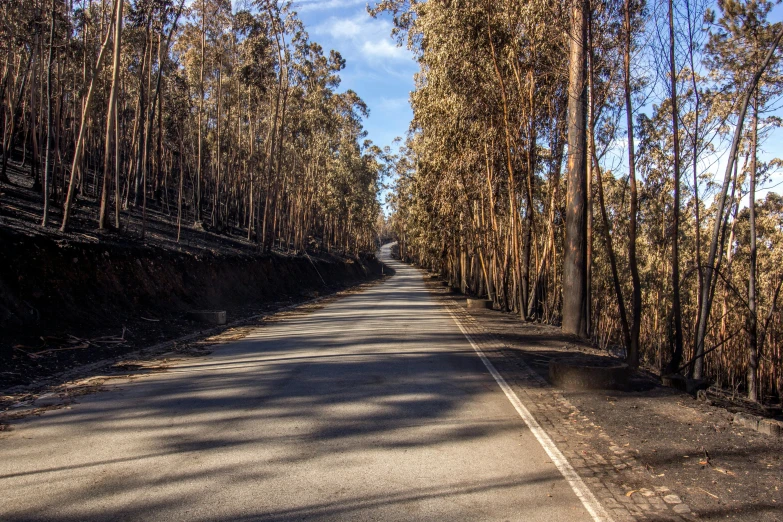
(342, 28)
(368, 37)
(385, 49)
(304, 6)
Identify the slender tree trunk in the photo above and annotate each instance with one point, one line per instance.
(752, 323)
(636, 296)
(116, 168)
(47, 160)
(695, 156)
(513, 213)
(607, 233)
(111, 116)
(676, 301)
(218, 148)
(575, 269)
(199, 159)
(590, 137)
(706, 300)
(179, 192)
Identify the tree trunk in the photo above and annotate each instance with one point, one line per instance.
(199, 158)
(111, 116)
(752, 326)
(636, 296)
(709, 269)
(676, 301)
(575, 268)
(48, 153)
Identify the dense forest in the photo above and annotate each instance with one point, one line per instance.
(597, 164)
(604, 165)
(225, 117)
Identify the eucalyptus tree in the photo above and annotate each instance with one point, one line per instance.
(643, 102)
(743, 26)
(233, 115)
(575, 291)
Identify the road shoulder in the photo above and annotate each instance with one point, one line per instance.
(650, 454)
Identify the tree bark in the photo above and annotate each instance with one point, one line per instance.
(752, 323)
(636, 294)
(48, 153)
(676, 301)
(111, 116)
(575, 296)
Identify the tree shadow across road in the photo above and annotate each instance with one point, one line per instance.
(374, 404)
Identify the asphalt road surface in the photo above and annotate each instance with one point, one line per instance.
(375, 407)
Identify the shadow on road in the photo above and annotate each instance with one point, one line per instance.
(335, 389)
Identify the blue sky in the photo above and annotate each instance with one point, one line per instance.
(380, 72)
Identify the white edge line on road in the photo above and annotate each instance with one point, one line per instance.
(581, 490)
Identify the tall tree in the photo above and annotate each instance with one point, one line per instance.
(111, 118)
(575, 320)
(675, 119)
(746, 95)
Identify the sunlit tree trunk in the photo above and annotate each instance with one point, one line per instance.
(48, 152)
(575, 320)
(752, 323)
(676, 301)
(111, 116)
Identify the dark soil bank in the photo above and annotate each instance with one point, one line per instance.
(57, 296)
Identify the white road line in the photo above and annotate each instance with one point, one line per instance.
(589, 501)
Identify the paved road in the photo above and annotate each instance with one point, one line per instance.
(372, 408)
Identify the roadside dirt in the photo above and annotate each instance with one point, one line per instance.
(720, 470)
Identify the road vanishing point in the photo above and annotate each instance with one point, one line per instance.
(374, 407)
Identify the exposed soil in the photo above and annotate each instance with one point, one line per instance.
(722, 471)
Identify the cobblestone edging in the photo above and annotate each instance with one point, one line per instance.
(771, 427)
(605, 472)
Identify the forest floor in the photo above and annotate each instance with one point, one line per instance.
(73, 298)
(647, 439)
(21, 209)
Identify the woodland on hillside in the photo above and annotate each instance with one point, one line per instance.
(219, 117)
(596, 164)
